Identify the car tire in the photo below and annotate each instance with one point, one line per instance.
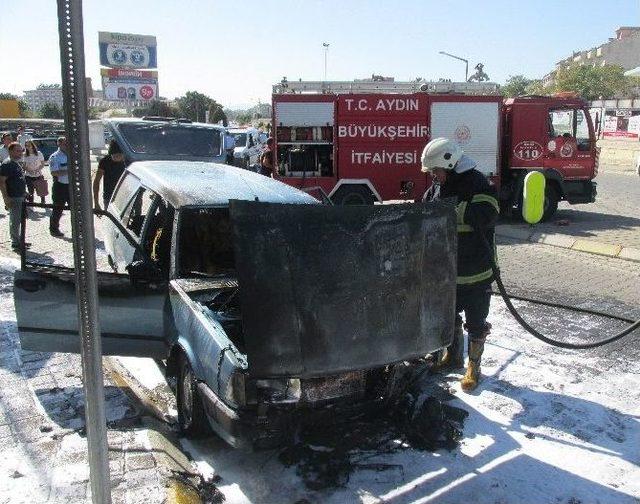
(353, 195)
(551, 200)
(192, 419)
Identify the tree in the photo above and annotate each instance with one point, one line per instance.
(536, 87)
(156, 108)
(593, 83)
(216, 114)
(244, 117)
(193, 105)
(24, 109)
(516, 85)
(50, 111)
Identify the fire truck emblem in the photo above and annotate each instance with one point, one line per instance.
(566, 150)
(463, 134)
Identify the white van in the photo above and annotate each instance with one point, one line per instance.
(248, 146)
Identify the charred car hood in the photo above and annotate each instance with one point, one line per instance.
(329, 289)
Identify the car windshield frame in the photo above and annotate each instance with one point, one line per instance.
(164, 138)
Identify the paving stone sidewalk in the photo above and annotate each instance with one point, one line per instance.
(42, 434)
(607, 227)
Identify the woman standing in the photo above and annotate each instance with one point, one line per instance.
(33, 164)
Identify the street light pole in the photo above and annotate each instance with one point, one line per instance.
(466, 63)
(326, 50)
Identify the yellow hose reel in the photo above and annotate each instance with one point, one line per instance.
(533, 197)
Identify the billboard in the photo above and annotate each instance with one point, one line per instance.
(126, 50)
(121, 84)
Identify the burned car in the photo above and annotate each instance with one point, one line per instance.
(265, 305)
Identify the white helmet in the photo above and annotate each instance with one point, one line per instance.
(440, 153)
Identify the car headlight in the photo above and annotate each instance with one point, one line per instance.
(285, 390)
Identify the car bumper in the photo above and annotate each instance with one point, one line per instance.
(580, 191)
(256, 430)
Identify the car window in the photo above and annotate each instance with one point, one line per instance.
(138, 210)
(172, 139)
(241, 139)
(561, 123)
(124, 193)
(582, 131)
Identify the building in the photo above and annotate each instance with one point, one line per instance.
(44, 93)
(623, 50)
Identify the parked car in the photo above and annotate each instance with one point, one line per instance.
(158, 138)
(258, 324)
(248, 146)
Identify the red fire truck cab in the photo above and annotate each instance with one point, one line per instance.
(361, 141)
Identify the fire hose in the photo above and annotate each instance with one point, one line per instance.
(534, 332)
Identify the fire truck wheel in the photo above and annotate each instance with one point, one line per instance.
(551, 199)
(353, 195)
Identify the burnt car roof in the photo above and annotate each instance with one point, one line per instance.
(195, 183)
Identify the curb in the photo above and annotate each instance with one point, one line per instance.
(166, 452)
(571, 243)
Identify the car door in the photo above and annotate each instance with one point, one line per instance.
(131, 309)
(124, 239)
(117, 246)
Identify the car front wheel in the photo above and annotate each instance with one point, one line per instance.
(192, 418)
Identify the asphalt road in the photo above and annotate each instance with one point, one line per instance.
(614, 217)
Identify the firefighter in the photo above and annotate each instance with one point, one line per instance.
(455, 175)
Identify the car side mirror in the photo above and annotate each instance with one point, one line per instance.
(143, 272)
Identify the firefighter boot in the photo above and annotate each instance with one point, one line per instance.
(453, 356)
(476, 346)
(472, 376)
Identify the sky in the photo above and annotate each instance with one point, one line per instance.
(235, 51)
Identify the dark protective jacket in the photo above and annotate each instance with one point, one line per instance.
(477, 211)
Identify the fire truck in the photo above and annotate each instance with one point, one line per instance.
(361, 142)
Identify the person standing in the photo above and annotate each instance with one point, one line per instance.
(229, 146)
(60, 191)
(266, 159)
(6, 141)
(110, 168)
(23, 137)
(13, 189)
(455, 175)
(33, 165)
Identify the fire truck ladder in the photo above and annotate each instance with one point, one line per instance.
(326, 87)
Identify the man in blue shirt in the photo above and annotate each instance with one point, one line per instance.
(13, 188)
(60, 192)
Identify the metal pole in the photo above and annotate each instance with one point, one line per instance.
(79, 166)
(326, 50)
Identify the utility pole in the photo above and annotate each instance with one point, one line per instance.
(326, 50)
(466, 63)
(74, 92)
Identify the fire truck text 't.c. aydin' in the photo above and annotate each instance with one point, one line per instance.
(382, 104)
(383, 131)
(384, 157)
